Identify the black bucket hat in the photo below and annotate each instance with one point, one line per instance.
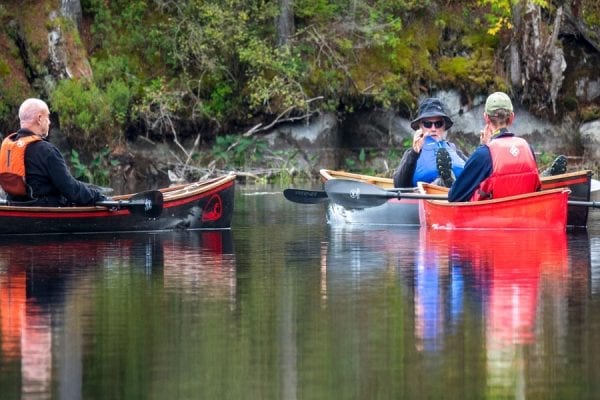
(431, 107)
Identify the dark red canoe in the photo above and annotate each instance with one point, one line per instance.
(206, 204)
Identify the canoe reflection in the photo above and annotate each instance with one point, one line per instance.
(455, 302)
(207, 264)
(515, 280)
(502, 271)
(45, 285)
(495, 277)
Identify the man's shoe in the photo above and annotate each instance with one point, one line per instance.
(558, 166)
(444, 167)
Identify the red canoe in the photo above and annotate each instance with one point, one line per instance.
(546, 209)
(405, 211)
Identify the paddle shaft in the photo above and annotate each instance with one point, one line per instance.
(355, 194)
(305, 196)
(593, 204)
(104, 203)
(148, 204)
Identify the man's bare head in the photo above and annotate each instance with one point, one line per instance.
(34, 115)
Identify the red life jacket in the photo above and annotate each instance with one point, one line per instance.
(514, 170)
(12, 164)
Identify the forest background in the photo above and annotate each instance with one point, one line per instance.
(209, 79)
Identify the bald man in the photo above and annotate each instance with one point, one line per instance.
(33, 171)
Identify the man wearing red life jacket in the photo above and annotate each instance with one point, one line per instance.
(504, 165)
(33, 171)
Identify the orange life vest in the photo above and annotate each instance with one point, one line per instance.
(12, 163)
(514, 170)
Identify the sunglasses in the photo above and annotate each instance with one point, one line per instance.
(429, 124)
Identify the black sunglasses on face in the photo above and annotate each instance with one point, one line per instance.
(428, 124)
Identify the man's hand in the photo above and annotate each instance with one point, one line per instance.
(486, 134)
(418, 141)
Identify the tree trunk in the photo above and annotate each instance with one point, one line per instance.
(516, 78)
(285, 22)
(543, 61)
(72, 10)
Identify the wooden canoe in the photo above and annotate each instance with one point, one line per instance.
(205, 204)
(405, 211)
(546, 209)
(392, 212)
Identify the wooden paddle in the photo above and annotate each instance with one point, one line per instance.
(356, 194)
(304, 196)
(148, 204)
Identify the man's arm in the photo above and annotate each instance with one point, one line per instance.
(73, 190)
(477, 168)
(404, 174)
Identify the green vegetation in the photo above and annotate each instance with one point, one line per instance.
(237, 151)
(215, 65)
(175, 70)
(97, 171)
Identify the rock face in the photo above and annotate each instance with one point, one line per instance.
(590, 140)
(323, 143)
(315, 143)
(71, 9)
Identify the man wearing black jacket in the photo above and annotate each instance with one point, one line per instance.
(47, 177)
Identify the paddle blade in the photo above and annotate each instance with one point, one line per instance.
(305, 196)
(149, 203)
(355, 194)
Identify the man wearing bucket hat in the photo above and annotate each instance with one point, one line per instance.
(431, 158)
(503, 165)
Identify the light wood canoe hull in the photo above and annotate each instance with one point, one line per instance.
(393, 212)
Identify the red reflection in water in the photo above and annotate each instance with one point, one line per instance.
(506, 269)
(33, 280)
(510, 265)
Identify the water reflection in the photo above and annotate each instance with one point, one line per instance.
(49, 297)
(505, 274)
(300, 310)
(205, 264)
(482, 307)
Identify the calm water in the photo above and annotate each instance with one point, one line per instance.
(284, 306)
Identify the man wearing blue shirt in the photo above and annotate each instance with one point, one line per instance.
(503, 165)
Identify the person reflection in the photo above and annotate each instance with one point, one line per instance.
(438, 291)
(26, 334)
(510, 270)
(40, 335)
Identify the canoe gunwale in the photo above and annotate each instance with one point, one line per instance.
(424, 188)
(183, 192)
(198, 205)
